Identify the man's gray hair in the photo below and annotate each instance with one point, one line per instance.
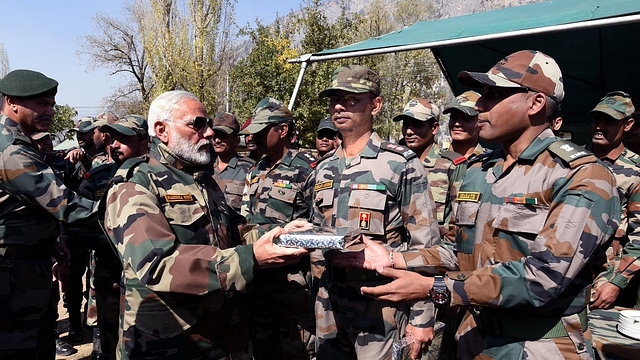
(163, 106)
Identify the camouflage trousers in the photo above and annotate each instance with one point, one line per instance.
(474, 343)
(350, 325)
(281, 316)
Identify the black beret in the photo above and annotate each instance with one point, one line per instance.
(28, 83)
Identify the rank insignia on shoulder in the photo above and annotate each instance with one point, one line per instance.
(323, 185)
(178, 197)
(471, 196)
(364, 220)
(368, 187)
(459, 160)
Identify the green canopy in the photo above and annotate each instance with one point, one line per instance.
(595, 42)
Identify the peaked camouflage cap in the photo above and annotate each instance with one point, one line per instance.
(464, 102)
(129, 125)
(616, 104)
(85, 124)
(326, 123)
(28, 83)
(40, 135)
(355, 79)
(103, 118)
(226, 122)
(528, 69)
(419, 109)
(268, 111)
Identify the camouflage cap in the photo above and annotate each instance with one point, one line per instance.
(103, 119)
(464, 102)
(419, 109)
(85, 124)
(227, 123)
(39, 135)
(616, 104)
(268, 111)
(326, 123)
(355, 79)
(28, 83)
(129, 125)
(528, 69)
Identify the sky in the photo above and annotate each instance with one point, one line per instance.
(44, 35)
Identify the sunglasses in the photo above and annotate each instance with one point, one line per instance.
(197, 124)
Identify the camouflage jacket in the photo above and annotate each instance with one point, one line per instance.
(279, 194)
(232, 179)
(33, 202)
(626, 170)
(526, 238)
(168, 226)
(444, 169)
(384, 193)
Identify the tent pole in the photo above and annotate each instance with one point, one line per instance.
(303, 67)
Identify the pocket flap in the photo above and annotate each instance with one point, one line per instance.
(368, 199)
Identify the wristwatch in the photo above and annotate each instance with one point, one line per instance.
(439, 294)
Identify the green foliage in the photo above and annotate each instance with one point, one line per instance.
(62, 122)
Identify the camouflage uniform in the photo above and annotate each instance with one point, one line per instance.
(169, 227)
(527, 236)
(624, 253)
(281, 302)
(384, 194)
(232, 179)
(34, 201)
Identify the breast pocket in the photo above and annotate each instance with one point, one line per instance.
(233, 192)
(520, 218)
(280, 204)
(183, 214)
(367, 211)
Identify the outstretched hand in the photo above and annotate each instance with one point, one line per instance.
(407, 286)
(371, 257)
(268, 254)
(604, 296)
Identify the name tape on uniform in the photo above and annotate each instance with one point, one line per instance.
(178, 197)
(323, 185)
(472, 196)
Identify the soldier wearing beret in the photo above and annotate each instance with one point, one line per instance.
(530, 221)
(170, 224)
(612, 118)
(379, 189)
(276, 193)
(229, 169)
(33, 202)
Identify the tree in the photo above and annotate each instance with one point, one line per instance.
(62, 122)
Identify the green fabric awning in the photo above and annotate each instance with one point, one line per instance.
(595, 42)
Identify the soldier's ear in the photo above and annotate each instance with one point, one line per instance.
(377, 105)
(537, 103)
(629, 124)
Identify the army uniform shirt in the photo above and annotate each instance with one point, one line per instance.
(625, 263)
(168, 226)
(232, 179)
(279, 194)
(526, 240)
(443, 171)
(384, 194)
(33, 202)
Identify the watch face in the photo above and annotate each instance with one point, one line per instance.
(440, 297)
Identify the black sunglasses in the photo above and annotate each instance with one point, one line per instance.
(197, 124)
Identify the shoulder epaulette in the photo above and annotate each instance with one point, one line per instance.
(125, 171)
(398, 149)
(568, 151)
(310, 159)
(455, 158)
(248, 159)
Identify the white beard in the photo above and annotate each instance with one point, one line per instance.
(189, 152)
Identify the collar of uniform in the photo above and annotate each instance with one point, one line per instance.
(287, 159)
(432, 156)
(372, 148)
(232, 163)
(7, 121)
(478, 150)
(538, 145)
(614, 154)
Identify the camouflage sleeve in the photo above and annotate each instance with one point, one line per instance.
(584, 213)
(419, 215)
(417, 206)
(26, 176)
(245, 207)
(629, 263)
(143, 237)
